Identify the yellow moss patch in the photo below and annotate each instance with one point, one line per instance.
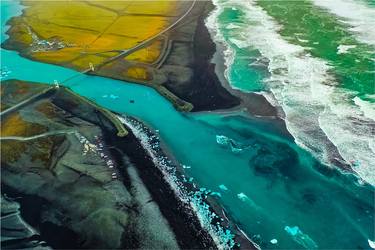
(40, 150)
(141, 27)
(21, 90)
(21, 33)
(11, 151)
(74, 36)
(91, 27)
(109, 54)
(48, 109)
(152, 7)
(44, 149)
(112, 42)
(71, 14)
(84, 61)
(63, 55)
(3, 106)
(14, 125)
(148, 54)
(14, 91)
(138, 73)
(115, 6)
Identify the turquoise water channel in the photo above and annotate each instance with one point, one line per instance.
(268, 184)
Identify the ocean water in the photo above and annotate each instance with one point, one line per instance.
(268, 184)
(320, 70)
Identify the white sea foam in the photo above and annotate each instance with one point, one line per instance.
(357, 14)
(342, 49)
(368, 108)
(314, 108)
(239, 43)
(232, 26)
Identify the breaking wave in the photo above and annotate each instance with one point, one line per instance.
(359, 17)
(317, 112)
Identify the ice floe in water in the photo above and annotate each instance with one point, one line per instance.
(242, 197)
(216, 194)
(371, 243)
(196, 198)
(112, 96)
(298, 236)
(4, 72)
(235, 146)
(223, 187)
(273, 241)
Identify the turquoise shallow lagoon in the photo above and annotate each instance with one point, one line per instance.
(265, 180)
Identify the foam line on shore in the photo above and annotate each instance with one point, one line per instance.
(317, 112)
(223, 238)
(356, 14)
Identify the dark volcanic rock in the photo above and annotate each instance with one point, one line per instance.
(201, 87)
(74, 186)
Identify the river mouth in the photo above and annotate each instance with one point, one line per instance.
(265, 181)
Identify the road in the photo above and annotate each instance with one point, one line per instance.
(26, 101)
(21, 138)
(148, 40)
(144, 43)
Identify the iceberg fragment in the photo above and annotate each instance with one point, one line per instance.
(303, 239)
(242, 197)
(223, 187)
(113, 96)
(371, 243)
(273, 241)
(236, 147)
(4, 72)
(216, 194)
